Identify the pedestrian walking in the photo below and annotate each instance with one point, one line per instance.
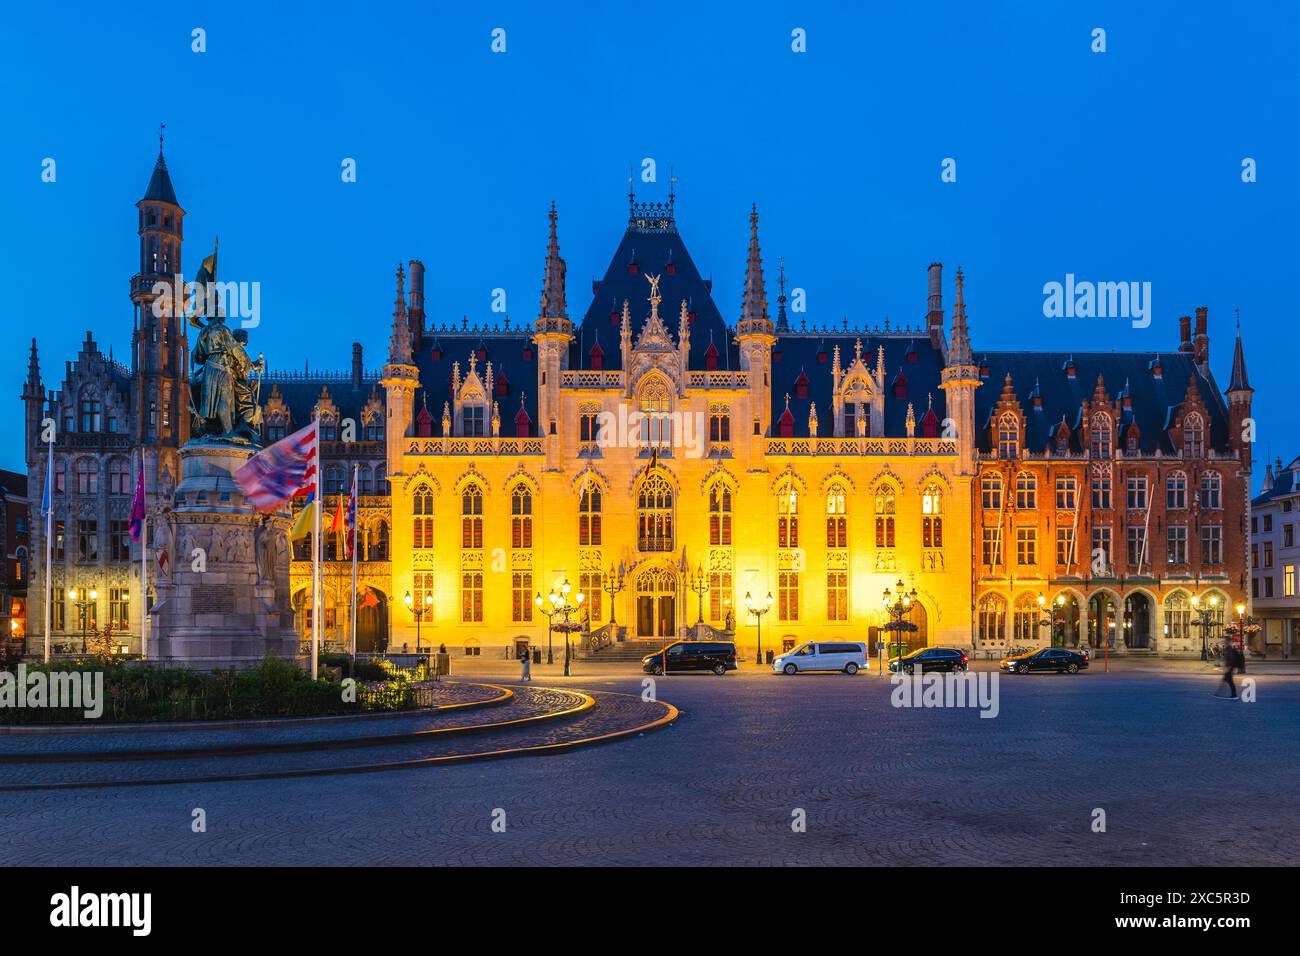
(526, 666)
(1229, 665)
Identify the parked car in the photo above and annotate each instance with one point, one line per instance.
(846, 656)
(716, 656)
(931, 659)
(1057, 659)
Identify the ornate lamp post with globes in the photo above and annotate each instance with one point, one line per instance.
(898, 605)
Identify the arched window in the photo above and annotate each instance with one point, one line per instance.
(932, 516)
(92, 412)
(992, 619)
(422, 519)
(1178, 616)
(471, 520)
(1026, 491)
(329, 426)
(119, 478)
(1026, 619)
(1176, 490)
(521, 517)
(720, 514)
(837, 531)
(656, 425)
(87, 476)
(1211, 490)
(654, 517)
(787, 516)
(991, 491)
(365, 481)
(335, 475)
(379, 542)
(1193, 437)
(1101, 436)
(1008, 436)
(886, 508)
(589, 505)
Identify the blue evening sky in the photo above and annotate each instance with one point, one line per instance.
(1117, 166)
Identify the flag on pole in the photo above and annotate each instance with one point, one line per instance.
(163, 558)
(352, 516)
(285, 470)
(137, 505)
(48, 494)
(336, 523)
(370, 600)
(305, 521)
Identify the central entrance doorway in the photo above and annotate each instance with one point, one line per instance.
(656, 603)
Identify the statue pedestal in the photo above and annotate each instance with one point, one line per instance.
(223, 600)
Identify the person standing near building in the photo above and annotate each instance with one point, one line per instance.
(526, 666)
(1230, 653)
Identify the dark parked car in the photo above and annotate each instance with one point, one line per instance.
(929, 659)
(716, 656)
(1058, 659)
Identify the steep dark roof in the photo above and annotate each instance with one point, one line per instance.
(1284, 483)
(300, 394)
(1155, 401)
(1239, 381)
(160, 184)
(652, 249)
(505, 350)
(798, 352)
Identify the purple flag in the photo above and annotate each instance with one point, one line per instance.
(137, 506)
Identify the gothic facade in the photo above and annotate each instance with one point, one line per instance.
(675, 465)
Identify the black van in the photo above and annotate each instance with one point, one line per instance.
(716, 656)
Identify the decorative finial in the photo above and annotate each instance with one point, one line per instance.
(161, 127)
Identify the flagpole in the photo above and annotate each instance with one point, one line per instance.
(356, 520)
(144, 566)
(49, 550)
(316, 603)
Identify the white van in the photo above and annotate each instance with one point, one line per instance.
(846, 656)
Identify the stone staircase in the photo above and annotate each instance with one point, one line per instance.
(632, 650)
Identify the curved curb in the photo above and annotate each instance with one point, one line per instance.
(256, 723)
(585, 703)
(660, 723)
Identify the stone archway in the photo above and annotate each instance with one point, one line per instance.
(1139, 621)
(1103, 620)
(656, 603)
(372, 621)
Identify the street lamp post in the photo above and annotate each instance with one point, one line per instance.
(614, 583)
(560, 605)
(701, 587)
(419, 613)
(758, 610)
(898, 606)
(1205, 621)
(83, 605)
(1241, 635)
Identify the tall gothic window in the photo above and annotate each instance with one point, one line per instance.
(991, 492)
(886, 508)
(422, 519)
(837, 531)
(589, 505)
(471, 521)
(1026, 491)
(654, 515)
(1211, 490)
(787, 517)
(1008, 436)
(521, 517)
(932, 517)
(992, 619)
(1193, 437)
(656, 425)
(87, 476)
(1101, 436)
(719, 515)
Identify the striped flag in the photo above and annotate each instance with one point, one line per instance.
(285, 470)
(352, 516)
(137, 505)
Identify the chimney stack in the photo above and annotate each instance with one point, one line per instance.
(1201, 345)
(934, 315)
(356, 364)
(415, 312)
(1184, 333)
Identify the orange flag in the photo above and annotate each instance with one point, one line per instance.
(336, 526)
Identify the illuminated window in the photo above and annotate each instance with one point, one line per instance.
(521, 596)
(1008, 437)
(1026, 491)
(837, 532)
(471, 522)
(655, 515)
(471, 597)
(589, 505)
(886, 509)
(719, 515)
(787, 520)
(422, 519)
(521, 517)
(991, 492)
(932, 517)
(837, 595)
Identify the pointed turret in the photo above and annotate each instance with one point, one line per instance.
(960, 378)
(1240, 398)
(755, 333)
(400, 379)
(554, 304)
(959, 352)
(1239, 382)
(782, 321)
(399, 341)
(753, 311)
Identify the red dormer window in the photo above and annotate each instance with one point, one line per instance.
(501, 387)
(597, 355)
(822, 357)
(786, 424)
(711, 357)
(615, 317)
(671, 269)
(481, 354)
(801, 386)
(528, 353)
(776, 355)
(690, 317)
(911, 355)
(423, 423)
(1156, 371)
(632, 268)
(435, 353)
(930, 424)
(900, 386)
(523, 424)
(984, 370)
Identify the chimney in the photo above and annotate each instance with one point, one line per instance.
(1184, 333)
(1268, 478)
(1201, 345)
(415, 312)
(934, 317)
(356, 364)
